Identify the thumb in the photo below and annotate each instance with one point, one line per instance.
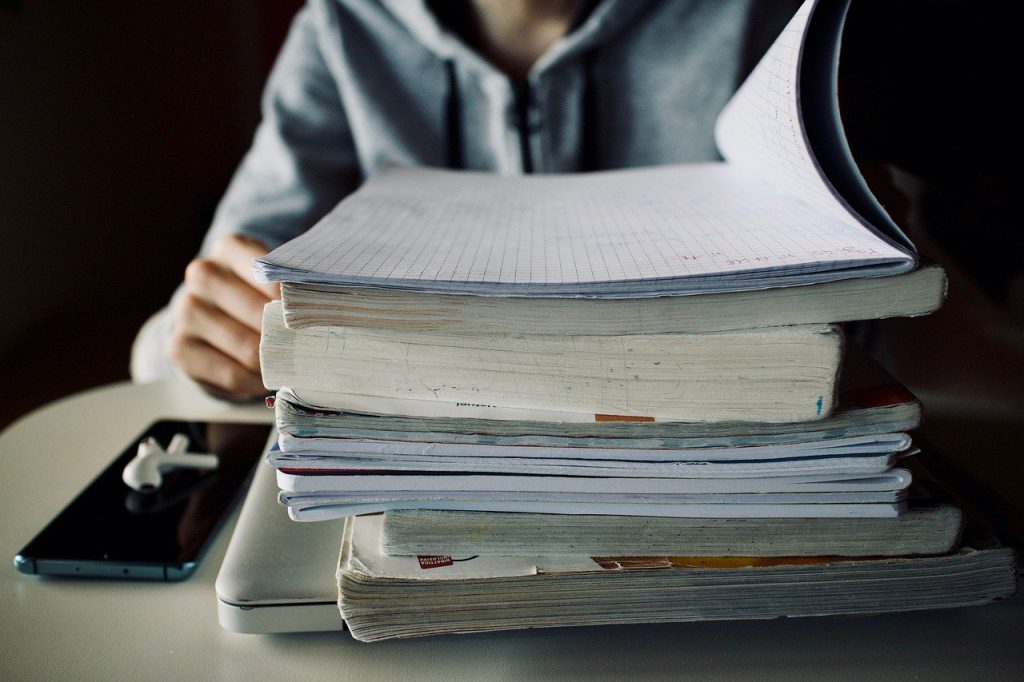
(237, 252)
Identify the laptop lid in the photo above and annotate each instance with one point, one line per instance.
(278, 575)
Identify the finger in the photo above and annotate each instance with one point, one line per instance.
(197, 318)
(215, 284)
(237, 252)
(218, 373)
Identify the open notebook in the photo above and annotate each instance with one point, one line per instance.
(787, 207)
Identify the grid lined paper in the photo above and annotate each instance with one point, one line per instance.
(761, 128)
(443, 230)
(767, 217)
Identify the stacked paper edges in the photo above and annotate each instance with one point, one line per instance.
(334, 463)
(636, 360)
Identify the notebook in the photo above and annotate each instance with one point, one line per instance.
(787, 206)
(278, 575)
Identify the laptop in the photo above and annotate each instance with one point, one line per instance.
(278, 575)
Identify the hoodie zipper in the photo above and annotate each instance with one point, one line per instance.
(523, 103)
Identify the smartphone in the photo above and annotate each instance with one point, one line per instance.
(112, 531)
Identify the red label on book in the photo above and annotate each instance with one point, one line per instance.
(434, 561)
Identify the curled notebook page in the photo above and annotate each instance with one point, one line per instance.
(767, 217)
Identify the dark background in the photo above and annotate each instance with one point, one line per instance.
(925, 91)
(121, 123)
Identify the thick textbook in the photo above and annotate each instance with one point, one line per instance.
(918, 292)
(777, 374)
(383, 597)
(921, 530)
(787, 207)
(870, 402)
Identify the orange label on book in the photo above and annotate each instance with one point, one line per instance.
(620, 418)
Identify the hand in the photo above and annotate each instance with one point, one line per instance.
(217, 320)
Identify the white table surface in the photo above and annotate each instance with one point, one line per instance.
(88, 629)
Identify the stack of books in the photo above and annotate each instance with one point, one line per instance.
(334, 462)
(641, 362)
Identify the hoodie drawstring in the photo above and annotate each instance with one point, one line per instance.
(453, 119)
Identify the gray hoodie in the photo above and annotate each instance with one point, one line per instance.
(360, 83)
(365, 82)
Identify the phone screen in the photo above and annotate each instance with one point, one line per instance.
(112, 531)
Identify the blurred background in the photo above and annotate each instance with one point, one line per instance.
(121, 123)
(926, 91)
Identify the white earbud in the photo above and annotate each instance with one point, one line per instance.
(144, 472)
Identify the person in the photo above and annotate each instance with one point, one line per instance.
(506, 86)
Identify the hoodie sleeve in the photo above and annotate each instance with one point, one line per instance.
(302, 162)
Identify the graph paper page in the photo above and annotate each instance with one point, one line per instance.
(784, 123)
(669, 229)
(761, 128)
